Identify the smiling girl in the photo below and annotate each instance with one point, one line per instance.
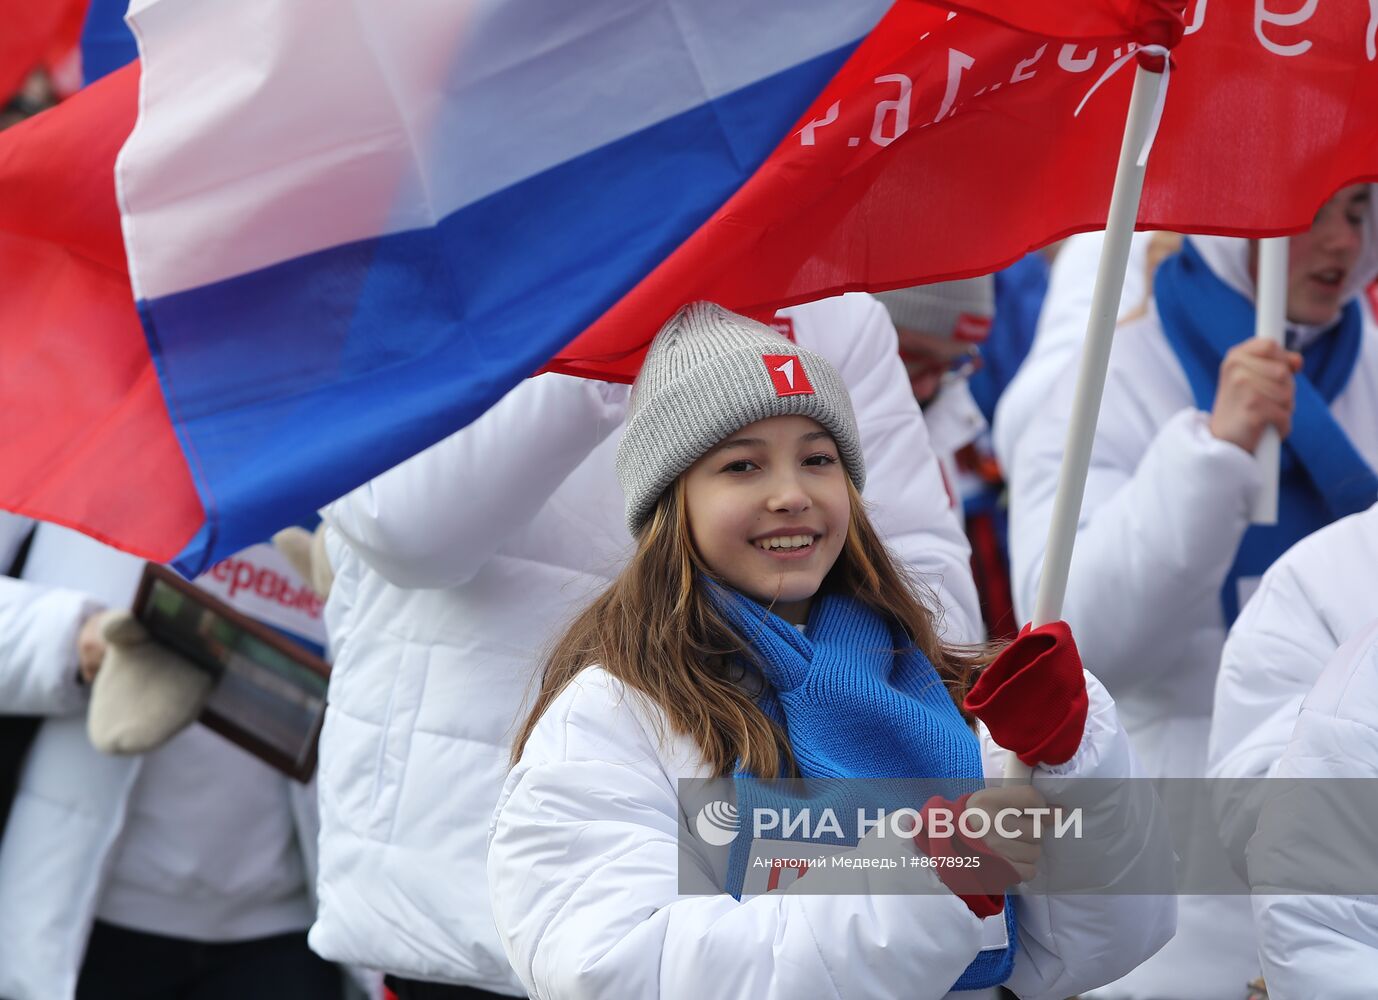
(762, 629)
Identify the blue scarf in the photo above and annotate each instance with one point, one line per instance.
(1323, 477)
(855, 708)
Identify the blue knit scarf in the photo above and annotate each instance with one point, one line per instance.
(1323, 477)
(853, 707)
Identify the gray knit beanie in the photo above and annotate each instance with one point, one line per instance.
(957, 310)
(708, 373)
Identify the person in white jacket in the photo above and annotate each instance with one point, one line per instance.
(941, 328)
(1061, 329)
(1323, 945)
(1313, 600)
(453, 573)
(761, 629)
(1162, 561)
(177, 872)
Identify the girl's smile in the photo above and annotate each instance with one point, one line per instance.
(786, 543)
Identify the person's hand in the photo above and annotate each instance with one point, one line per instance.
(979, 870)
(91, 646)
(305, 551)
(1023, 849)
(1257, 390)
(144, 693)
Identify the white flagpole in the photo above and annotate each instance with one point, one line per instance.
(1095, 359)
(1270, 318)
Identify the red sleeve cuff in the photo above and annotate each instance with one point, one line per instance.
(1032, 698)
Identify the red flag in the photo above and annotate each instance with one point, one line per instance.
(950, 145)
(1159, 21)
(82, 403)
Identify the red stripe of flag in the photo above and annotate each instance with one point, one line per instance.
(87, 441)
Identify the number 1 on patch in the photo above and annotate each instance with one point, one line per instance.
(787, 375)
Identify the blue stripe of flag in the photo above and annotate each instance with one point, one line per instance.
(291, 385)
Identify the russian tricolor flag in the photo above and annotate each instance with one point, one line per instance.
(348, 231)
(470, 185)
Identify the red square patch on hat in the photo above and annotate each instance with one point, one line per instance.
(971, 329)
(787, 375)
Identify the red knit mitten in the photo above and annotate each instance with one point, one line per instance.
(1033, 697)
(977, 875)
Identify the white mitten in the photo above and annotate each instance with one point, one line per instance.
(144, 694)
(306, 552)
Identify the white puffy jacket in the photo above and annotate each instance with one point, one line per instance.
(954, 421)
(1165, 509)
(1327, 946)
(1318, 594)
(586, 860)
(1061, 330)
(510, 527)
(70, 804)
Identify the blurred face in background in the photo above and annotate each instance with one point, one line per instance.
(930, 359)
(1321, 260)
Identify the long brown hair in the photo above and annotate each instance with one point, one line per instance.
(656, 630)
